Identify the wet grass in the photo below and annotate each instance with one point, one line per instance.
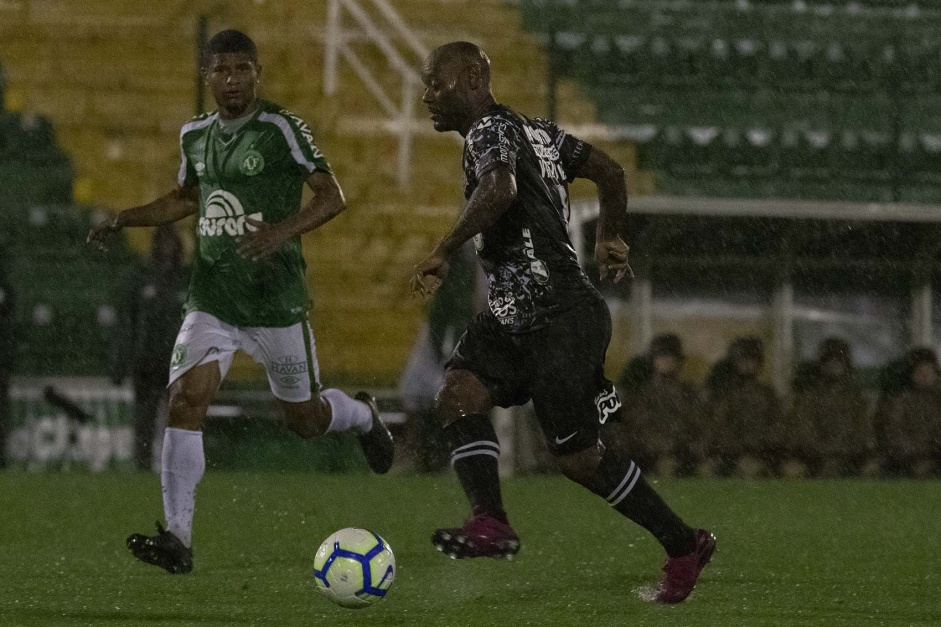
(800, 553)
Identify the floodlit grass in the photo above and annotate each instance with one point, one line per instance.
(799, 553)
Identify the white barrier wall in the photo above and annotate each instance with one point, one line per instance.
(42, 437)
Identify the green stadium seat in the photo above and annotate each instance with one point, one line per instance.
(692, 152)
(26, 135)
(749, 153)
(806, 155)
(805, 97)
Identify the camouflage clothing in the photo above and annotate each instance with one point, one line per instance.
(829, 420)
(909, 426)
(661, 417)
(742, 417)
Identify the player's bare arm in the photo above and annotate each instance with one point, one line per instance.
(172, 206)
(610, 249)
(493, 196)
(327, 203)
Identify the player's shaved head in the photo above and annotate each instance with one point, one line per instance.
(457, 85)
(460, 56)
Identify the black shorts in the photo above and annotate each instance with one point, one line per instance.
(560, 367)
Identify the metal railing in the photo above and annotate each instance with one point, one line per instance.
(377, 22)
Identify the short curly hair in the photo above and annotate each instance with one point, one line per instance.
(229, 41)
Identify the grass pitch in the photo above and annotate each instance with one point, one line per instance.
(833, 553)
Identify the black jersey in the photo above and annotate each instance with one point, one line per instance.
(531, 266)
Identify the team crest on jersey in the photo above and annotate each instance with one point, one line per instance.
(252, 164)
(200, 168)
(607, 403)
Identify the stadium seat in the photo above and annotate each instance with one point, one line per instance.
(692, 152)
(807, 154)
(748, 153)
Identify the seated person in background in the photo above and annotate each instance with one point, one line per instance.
(742, 416)
(828, 431)
(908, 421)
(661, 411)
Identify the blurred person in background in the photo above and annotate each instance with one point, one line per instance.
(243, 171)
(742, 418)
(547, 330)
(828, 430)
(661, 412)
(908, 421)
(451, 309)
(7, 353)
(148, 321)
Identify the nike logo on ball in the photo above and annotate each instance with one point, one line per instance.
(559, 440)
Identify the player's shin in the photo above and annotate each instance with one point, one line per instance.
(184, 463)
(475, 453)
(619, 481)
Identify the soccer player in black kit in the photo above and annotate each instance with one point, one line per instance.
(547, 329)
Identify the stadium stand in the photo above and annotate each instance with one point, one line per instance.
(65, 298)
(815, 95)
(118, 80)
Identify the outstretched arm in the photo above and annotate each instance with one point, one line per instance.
(172, 206)
(493, 196)
(326, 204)
(610, 249)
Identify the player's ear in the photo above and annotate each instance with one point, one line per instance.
(257, 73)
(474, 76)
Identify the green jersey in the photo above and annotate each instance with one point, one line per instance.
(257, 171)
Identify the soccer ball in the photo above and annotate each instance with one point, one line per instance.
(354, 568)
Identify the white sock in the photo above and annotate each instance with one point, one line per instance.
(183, 466)
(347, 413)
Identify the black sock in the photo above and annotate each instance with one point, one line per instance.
(474, 455)
(618, 480)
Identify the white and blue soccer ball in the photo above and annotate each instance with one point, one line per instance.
(354, 568)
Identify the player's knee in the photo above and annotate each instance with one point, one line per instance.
(187, 407)
(462, 394)
(582, 466)
(446, 409)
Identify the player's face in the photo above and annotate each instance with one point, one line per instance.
(232, 77)
(445, 95)
(666, 365)
(924, 376)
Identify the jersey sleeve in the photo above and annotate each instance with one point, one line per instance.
(493, 141)
(573, 152)
(187, 175)
(300, 139)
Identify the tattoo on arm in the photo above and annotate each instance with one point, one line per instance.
(492, 198)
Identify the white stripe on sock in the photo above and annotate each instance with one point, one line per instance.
(477, 443)
(627, 476)
(482, 451)
(628, 489)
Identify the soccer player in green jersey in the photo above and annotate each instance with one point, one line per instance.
(243, 169)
